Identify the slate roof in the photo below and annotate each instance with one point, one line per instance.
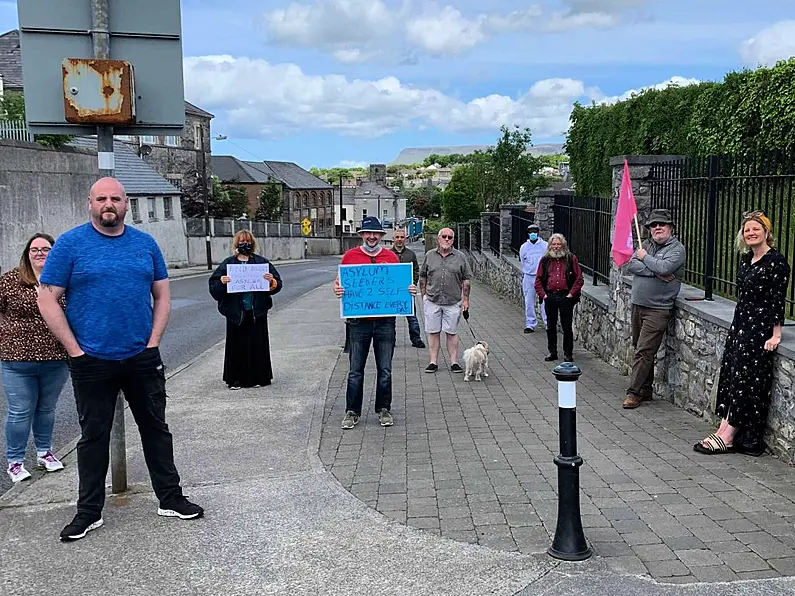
(11, 60)
(11, 69)
(138, 177)
(196, 111)
(295, 177)
(231, 169)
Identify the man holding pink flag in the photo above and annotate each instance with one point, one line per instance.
(657, 268)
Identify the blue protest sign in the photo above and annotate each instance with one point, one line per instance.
(376, 290)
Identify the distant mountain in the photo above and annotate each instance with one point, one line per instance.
(418, 154)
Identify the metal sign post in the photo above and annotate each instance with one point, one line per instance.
(77, 84)
(100, 38)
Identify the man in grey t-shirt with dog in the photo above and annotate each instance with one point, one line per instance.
(444, 285)
(657, 267)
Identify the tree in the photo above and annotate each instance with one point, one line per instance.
(463, 199)
(424, 202)
(270, 202)
(227, 201)
(515, 170)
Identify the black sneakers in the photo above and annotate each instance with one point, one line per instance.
(181, 508)
(81, 525)
(551, 357)
(432, 368)
(456, 368)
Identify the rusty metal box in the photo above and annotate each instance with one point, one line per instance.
(100, 92)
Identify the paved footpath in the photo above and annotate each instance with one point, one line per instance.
(474, 462)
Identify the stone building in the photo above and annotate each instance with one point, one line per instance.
(371, 197)
(174, 157)
(304, 195)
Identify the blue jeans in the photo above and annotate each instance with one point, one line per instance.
(414, 330)
(32, 389)
(381, 333)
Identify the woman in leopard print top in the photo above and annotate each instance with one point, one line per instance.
(32, 361)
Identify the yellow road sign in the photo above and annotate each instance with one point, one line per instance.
(306, 227)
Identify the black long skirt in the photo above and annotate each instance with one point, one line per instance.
(247, 358)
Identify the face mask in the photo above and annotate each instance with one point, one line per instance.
(533, 236)
(245, 248)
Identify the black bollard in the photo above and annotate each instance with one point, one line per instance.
(569, 543)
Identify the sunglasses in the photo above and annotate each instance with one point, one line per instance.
(446, 237)
(755, 213)
(657, 224)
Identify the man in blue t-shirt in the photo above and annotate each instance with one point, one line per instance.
(117, 306)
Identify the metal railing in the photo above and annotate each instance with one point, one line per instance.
(464, 237)
(708, 196)
(14, 129)
(223, 227)
(494, 234)
(476, 236)
(520, 219)
(585, 222)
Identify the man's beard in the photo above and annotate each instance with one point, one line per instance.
(108, 223)
(557, 254)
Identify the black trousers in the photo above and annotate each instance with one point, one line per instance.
(96, 384)
(554, 305)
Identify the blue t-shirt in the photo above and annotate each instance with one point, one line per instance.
(108, 281)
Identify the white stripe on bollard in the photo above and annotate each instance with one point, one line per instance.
(567, 394)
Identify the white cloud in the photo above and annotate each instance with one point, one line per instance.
(770, 45)
(256, 98)
(675, 81)
(359, 30)
(352, 164)
(342, 27)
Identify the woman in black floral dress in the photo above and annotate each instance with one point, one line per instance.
(746, 374)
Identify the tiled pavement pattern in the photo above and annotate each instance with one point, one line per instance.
(474, 462)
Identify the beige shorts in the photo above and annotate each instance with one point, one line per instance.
(441, 318)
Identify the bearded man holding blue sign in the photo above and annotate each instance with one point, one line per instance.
(374, 298)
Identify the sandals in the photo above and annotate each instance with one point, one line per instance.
(713, 445)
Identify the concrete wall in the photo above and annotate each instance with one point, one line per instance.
(274, 249)
(46, 190)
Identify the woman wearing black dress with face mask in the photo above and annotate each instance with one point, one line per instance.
(247, 359)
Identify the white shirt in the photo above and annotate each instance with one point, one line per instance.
(530, 254)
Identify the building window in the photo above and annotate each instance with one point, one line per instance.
(136, 214)
(171, 141)
(197, 135)
(175, 180)
(167, 212)
(148, 139)
(152, 212)
(125, 137)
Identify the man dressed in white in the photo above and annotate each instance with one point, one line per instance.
(530, 254)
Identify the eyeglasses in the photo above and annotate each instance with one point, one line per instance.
(446, 237)
(657, 224)
(35, 251)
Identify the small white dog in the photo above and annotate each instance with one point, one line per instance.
(476, 360)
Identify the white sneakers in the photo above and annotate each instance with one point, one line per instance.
(47, 462)
(17, 472)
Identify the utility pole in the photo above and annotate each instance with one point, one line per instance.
(340, 212)
(100, 39)
(205, 196)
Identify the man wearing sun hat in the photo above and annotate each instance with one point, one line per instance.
(657, 268)
(380, 331)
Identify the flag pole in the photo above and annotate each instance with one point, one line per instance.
(637, 231)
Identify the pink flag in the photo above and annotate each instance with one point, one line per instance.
(623, 245)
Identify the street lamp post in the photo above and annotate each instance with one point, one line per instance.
(205, 195)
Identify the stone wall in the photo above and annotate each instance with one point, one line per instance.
(688, 363)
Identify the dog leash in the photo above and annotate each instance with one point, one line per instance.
(465, 314)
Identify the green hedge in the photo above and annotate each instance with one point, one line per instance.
(749, 112)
